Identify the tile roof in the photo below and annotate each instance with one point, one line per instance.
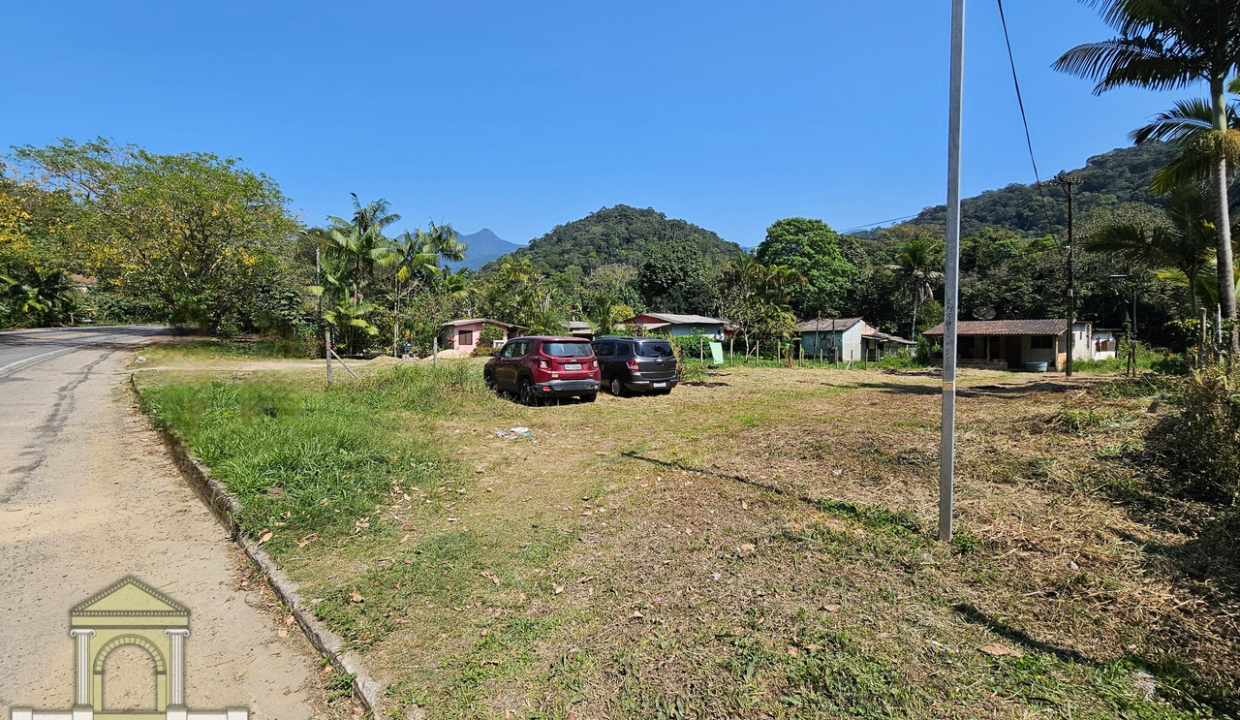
(1005, 327)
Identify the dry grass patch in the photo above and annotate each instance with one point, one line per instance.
(761, 546)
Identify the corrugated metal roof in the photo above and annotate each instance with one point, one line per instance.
(683, 319)
(472, 321)
(1005, 327)
(826, 324)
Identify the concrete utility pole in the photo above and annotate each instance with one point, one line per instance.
(951, 292)
(1066, 183)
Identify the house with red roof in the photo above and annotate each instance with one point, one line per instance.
(1017, 344)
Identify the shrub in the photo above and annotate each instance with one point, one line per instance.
(1201, 443)
(486, 341)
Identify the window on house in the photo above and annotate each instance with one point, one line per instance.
(465, 337)
(1042, 342)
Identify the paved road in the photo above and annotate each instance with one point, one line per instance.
(87, 496)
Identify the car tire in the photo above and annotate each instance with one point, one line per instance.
(589, 397)
(617, 386)
(526, 395)
(489, 380)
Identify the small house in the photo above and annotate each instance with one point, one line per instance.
(676, 325)
(464, 334)
(1106, 343)
(579, 328)
(847, 340)
(1017, 344)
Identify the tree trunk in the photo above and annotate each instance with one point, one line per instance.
(1226, 268)
(913, 328)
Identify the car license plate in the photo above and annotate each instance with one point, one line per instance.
(658, 385)
(572, 366)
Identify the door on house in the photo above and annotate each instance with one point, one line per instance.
(1011, 351)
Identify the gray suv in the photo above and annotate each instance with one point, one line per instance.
(636, 364)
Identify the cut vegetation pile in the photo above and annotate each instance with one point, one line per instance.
(760, 545)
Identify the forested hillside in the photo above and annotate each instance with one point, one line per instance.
(619, 235)
(1107, 180)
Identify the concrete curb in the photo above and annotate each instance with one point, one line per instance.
(225, 508)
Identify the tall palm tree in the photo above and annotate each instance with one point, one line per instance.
(1183, 239)
(361, 239)
(915, 265)
(1189, 124)
(1166, 45)
(416, 258)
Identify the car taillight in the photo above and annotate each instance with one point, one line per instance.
(632, 365)
(594, 362)
(544, 364)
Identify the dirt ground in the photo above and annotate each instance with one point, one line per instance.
(88, 497)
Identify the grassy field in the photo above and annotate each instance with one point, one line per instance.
(760, 543)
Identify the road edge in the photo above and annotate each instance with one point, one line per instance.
(223, 507)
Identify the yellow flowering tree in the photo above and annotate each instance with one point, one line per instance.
(196, 234)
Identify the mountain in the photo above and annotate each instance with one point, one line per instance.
(484, 246)
(619, 235)
(1107, 180)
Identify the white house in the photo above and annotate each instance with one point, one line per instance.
(847, 339)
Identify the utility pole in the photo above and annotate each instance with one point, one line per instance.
(1066, 183)
(951, 292)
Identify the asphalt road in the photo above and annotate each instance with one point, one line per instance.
(88, 496)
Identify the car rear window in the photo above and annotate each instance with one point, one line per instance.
(654, 349)
(568, 349)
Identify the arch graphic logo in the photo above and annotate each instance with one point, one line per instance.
(129, 612)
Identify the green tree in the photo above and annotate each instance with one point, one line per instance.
(415, 258)
(195, 232)
(676, 278)
(1181, 237)
(755, 299)
(1188, 126)
(1166, 45)
(916, 264)
(38, 297)
(811, 248)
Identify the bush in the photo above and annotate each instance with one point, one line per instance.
(1201, 443)
(486, 341)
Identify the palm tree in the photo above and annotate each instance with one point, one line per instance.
(597, 309)
(1182, 239)
(1166, 45)
(1189, 124)
(915, 264)
(416, 258)
(361, 239)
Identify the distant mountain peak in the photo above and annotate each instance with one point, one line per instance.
(482, 247)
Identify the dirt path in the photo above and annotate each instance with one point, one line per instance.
(87, 496)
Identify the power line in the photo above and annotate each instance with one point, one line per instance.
(880, 222)
(1024, 118)
(1019, 99)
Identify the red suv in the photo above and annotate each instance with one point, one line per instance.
(536, 368)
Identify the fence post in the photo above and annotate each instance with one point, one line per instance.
(327, 353)
(435, 351)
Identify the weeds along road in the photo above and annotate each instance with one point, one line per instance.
(87, 496)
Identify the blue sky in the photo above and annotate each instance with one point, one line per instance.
(519, 116)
